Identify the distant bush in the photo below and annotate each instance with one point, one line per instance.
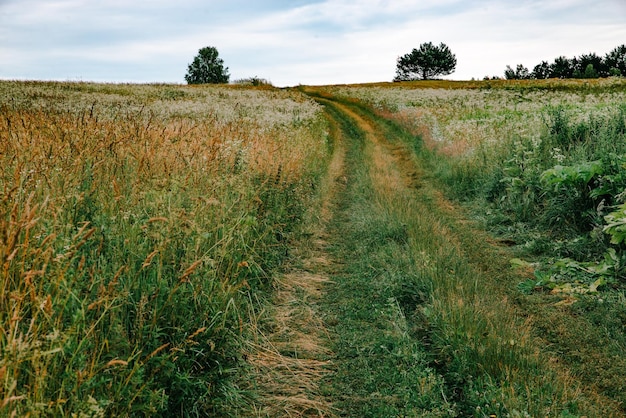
(253, 81)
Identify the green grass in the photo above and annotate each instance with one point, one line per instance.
(139, 230)
(381, 370)
(434, 298)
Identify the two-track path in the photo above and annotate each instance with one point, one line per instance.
(343, 338)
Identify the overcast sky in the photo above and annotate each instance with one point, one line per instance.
(292, 42)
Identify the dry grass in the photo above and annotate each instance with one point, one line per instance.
(290, 360)
(135, 223)
(291, 354)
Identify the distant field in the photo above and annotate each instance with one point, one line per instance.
(460, 116)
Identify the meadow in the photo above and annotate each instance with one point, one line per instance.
(540, 166)
(541, 161)
(473, 251)
(140, 226)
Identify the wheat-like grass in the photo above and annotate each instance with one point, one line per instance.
(134, 220)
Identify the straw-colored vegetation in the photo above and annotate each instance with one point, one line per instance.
(139, 229)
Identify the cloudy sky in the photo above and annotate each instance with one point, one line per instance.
(292, 42)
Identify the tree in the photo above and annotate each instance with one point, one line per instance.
(589, 66)
(616, 61)
(207, 67)
(541, 71)
(425, 63)
(562, 67)
(520, 73)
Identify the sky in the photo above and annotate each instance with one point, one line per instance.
(314, 42)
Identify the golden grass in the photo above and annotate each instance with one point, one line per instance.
(290, 361)
(291, 354)
(126, 210)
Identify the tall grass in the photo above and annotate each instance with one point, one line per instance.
(543, 168)
(433, 299)
(138, 225)
(499, 141)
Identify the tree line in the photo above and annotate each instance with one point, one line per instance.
(584, 66)
(430, 61)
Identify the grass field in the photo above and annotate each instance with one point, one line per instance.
(539, 165)
(140, 227)
(401, 249)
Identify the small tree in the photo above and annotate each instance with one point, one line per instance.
(541, 71)
(207, 68)
(425, 63)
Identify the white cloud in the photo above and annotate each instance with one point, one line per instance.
(291, 42)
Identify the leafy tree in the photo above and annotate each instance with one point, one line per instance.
(541, 71)
(590, 72)
(562, 67)
(520, 73)
(589, 66)
(425, 63)
(616, 61)
(207, 68)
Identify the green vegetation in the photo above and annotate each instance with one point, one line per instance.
(425, 63)
(207, 68)
(423, 325)
(380, 369)
(139, 230)
(543, 171)
(584, 66)
(469, 249)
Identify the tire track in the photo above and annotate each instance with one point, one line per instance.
(383, 315)
(291, 354)
(469, 334)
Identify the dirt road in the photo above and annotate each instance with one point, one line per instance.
(398, 306)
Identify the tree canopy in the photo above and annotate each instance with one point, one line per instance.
(425, 63)
(207, 67)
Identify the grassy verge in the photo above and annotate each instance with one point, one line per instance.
(432, 329)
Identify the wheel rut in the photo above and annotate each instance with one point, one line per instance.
(291, 354)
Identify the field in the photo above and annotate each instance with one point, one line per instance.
(140, 228)
(402, 249)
